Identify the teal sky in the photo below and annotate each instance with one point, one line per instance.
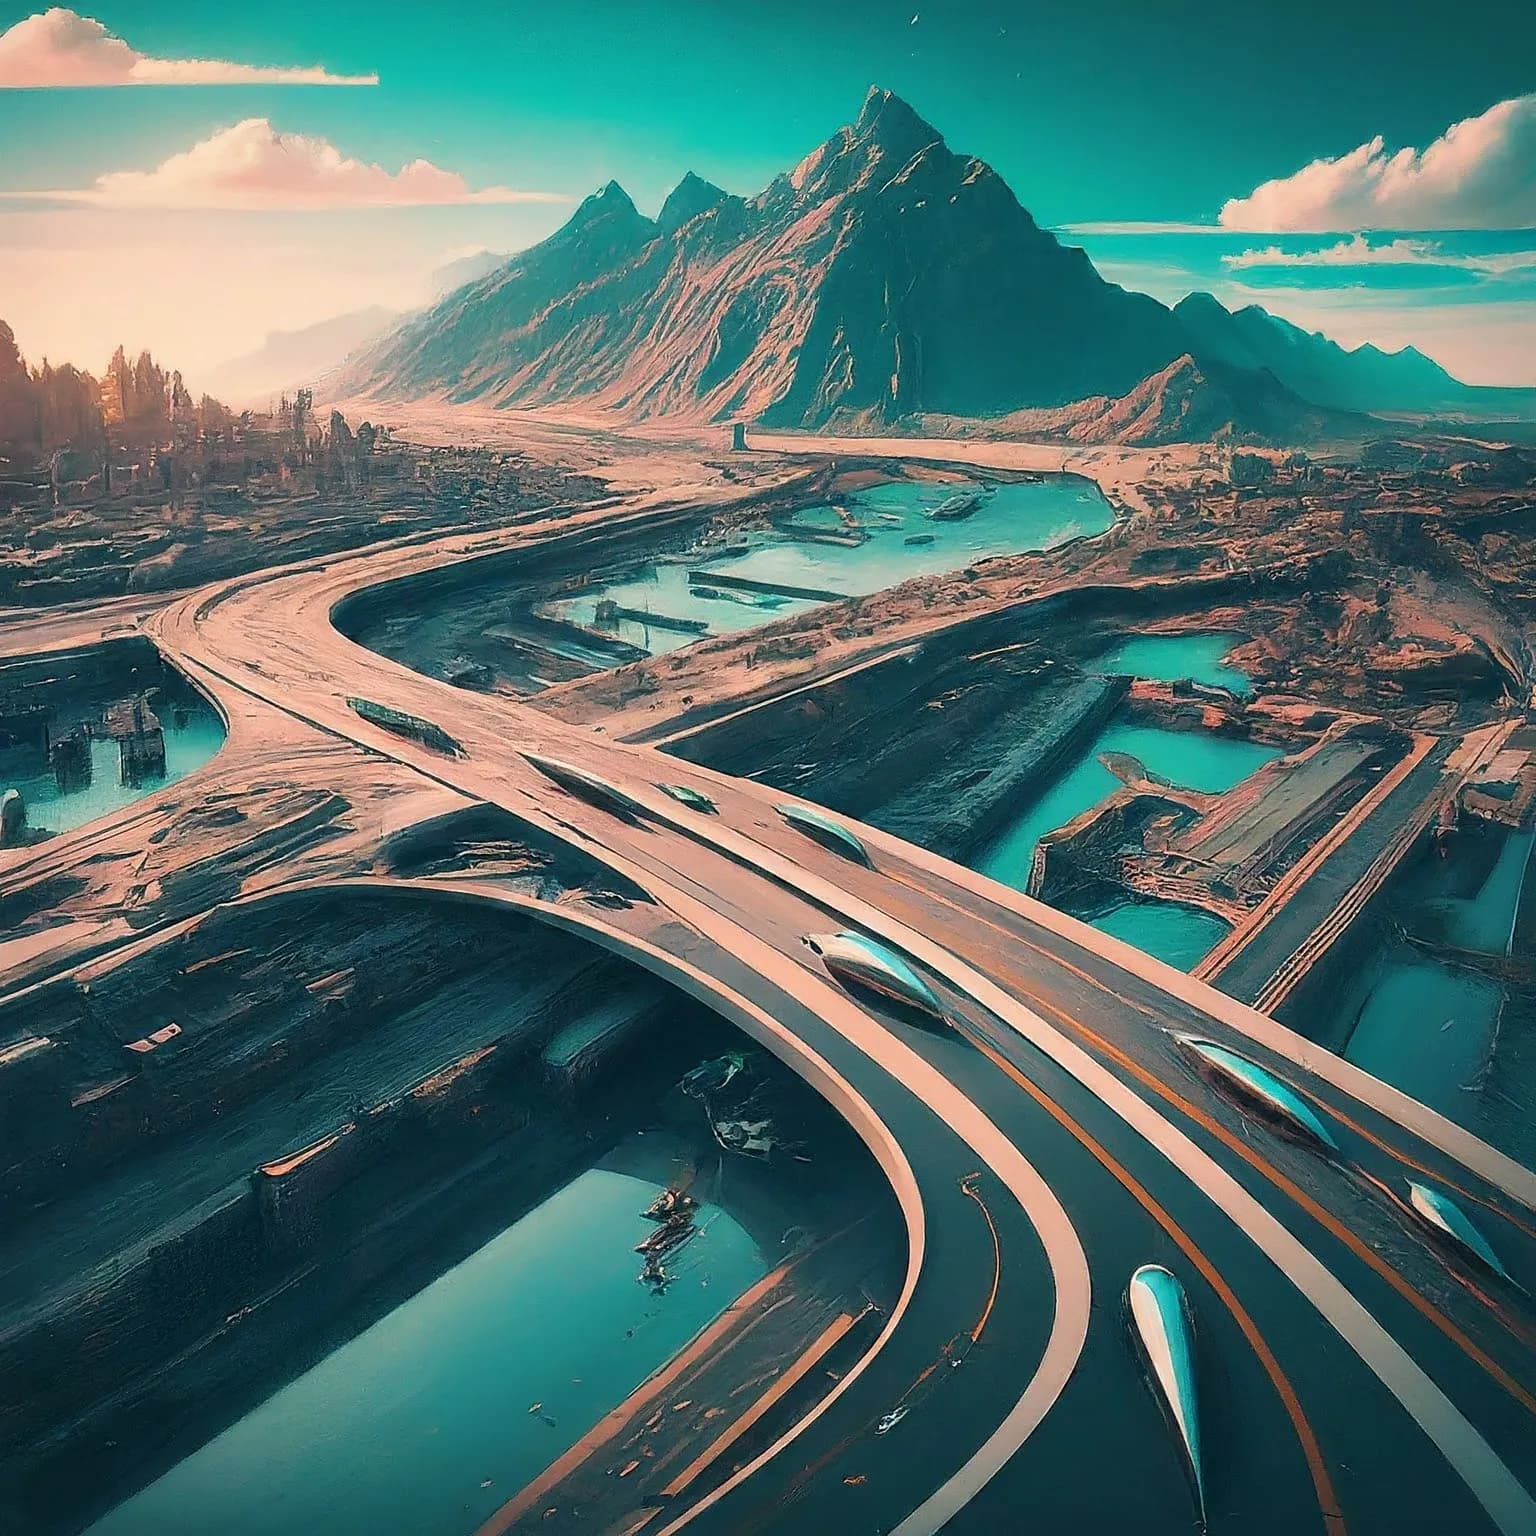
(1119, 111)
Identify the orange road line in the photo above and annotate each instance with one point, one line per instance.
(1268, 1170)
(1460, 1275)
(1325, 1218)
(971, 1192)
(1327, 1500)
(1097, 985)
(1418, 1167)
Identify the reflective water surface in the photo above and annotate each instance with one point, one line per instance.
(426, 1421)
(1179, 934)
(1010, 518)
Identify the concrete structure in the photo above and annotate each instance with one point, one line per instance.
(1045, 1141)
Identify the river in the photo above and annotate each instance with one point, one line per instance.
(1011, 519)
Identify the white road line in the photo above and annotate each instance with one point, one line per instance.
(1455, 1141)
(1492, 1483)
(1495, 1487)
(1058, 1237)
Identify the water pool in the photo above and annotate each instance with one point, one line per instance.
(1172, 658)
(1190, 759)
(1169, 931)
(193, 733)
(1012, 518)
(422, 1423)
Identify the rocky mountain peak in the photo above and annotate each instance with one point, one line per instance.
(886, 136)
(687, 200)
(608, 202)
(885, 277)
(606, 221)
(612, 195)
(886, 120)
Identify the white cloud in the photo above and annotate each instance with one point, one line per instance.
(59, 47)
(1359, 252)
(253, 166)
(1479, 174)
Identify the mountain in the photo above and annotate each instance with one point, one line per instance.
(455, 274)
(1361, 378)
(691, 197)
(884, 277)
(1187, 401)
(289, 360)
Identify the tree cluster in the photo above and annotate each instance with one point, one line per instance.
(137, 404)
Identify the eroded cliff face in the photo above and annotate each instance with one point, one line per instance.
(885, 276)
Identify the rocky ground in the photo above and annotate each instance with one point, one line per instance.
(1406, 582)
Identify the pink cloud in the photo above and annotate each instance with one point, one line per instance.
(1479, 174)
(253, 166)
(59, 47)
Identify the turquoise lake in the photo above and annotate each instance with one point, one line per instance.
(1177, 934)
(1169, 658)
(422, 1423)
(1423, 1023)
(193, 733)
(1171, 932)
(1189, 759)
(1011, 519)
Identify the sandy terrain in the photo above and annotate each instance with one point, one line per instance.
(659, 453)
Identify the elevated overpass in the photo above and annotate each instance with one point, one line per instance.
(1049, 1134)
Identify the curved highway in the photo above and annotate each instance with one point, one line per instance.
(1059, 1128)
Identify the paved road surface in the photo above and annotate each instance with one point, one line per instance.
(1044, 1143)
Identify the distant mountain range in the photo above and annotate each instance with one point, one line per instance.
(885, 279)
(1187, 401)
(289, 360)
(303, 357)
(1308, 363)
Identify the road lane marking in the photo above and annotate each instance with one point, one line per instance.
(1053, 1228)
(968, 1188)
(1317, 1467)
(1455, 1141)
(1320, 1214)
(1497, 1489)
(1491, 1481)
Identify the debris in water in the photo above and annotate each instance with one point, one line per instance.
(669, 1203)
(673, 1212)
